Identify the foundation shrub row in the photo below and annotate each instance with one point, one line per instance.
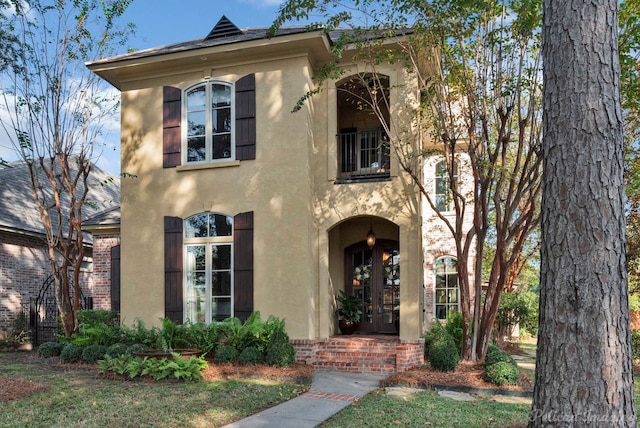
(101, 339)
(443, 346)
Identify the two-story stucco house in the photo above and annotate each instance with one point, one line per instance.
(240, 205)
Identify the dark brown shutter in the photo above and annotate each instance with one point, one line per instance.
(171, 118)
(243, 265)
(173, 269)
(246, 118)
(115, 278)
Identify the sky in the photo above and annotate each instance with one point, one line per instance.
(162, 22)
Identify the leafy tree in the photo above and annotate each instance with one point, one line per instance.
(584, 374)
(629, 46)
(478, 67)
(53, 111)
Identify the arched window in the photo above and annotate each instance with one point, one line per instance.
(208, 267)
(443, 200)
(446, 295)
(210, 117)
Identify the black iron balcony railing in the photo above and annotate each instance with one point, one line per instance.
(363, 155)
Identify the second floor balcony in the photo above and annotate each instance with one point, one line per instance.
(363, 155)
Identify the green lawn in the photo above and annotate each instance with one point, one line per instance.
(428, 409)
(79, 398)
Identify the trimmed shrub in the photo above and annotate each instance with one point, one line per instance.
(497, 355)
(50, 349)
(226, 354)
(430, 336)
(279, 352)
(136, 347)
(116, 350)
(443, 354)
(454, 328)
(502, 373)
(250, 355)
(71, 353)
(93, 353)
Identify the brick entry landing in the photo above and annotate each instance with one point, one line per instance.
(360, 353)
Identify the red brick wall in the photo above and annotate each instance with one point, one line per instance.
(24, 267)
(361, 354)
(102, 245)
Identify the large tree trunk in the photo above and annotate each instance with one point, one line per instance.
(584, 371)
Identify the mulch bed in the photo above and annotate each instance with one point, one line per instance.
(466, 375)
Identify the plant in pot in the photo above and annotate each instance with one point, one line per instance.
(349, 311)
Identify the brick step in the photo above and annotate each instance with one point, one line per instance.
(361, 354)
(356, 361)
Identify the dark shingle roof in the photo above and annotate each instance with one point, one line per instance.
(244, 35)
(108, 217)
(19, 212)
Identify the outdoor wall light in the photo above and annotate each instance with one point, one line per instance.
(371, 238)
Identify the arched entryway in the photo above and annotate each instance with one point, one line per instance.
(373, 275)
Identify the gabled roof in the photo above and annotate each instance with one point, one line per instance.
(217, 37)
(19, 212)
(225, 44)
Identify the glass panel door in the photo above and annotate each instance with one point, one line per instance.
(373, 276)
(391, 290)
(362, 262)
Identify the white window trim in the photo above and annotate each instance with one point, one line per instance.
(435, 274)
(435, 185)
(207, 242)
(209, 123)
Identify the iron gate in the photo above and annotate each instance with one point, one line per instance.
(43, 311)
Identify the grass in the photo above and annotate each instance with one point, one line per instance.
(78, 398)
(428, 409)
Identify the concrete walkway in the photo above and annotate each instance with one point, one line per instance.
(333, 391)
(330, 392)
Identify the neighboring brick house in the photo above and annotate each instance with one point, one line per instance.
(240, 205)
(105, 230)
(24, 264)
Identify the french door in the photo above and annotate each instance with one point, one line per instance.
(373, 275)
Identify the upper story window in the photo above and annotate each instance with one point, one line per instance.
(210, 117)
(363, 146)
(209, 122)
(443, 199)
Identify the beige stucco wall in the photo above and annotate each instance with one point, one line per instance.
(345, 212)
(302, 220)
(279, 196)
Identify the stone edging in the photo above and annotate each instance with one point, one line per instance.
(470, 390)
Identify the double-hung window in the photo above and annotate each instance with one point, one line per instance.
(446, 295)
(210, 118)
(208, 269)
(443, 200)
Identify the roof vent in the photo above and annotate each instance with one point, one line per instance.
(224, 28)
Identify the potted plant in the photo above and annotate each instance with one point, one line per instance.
(349, 311)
